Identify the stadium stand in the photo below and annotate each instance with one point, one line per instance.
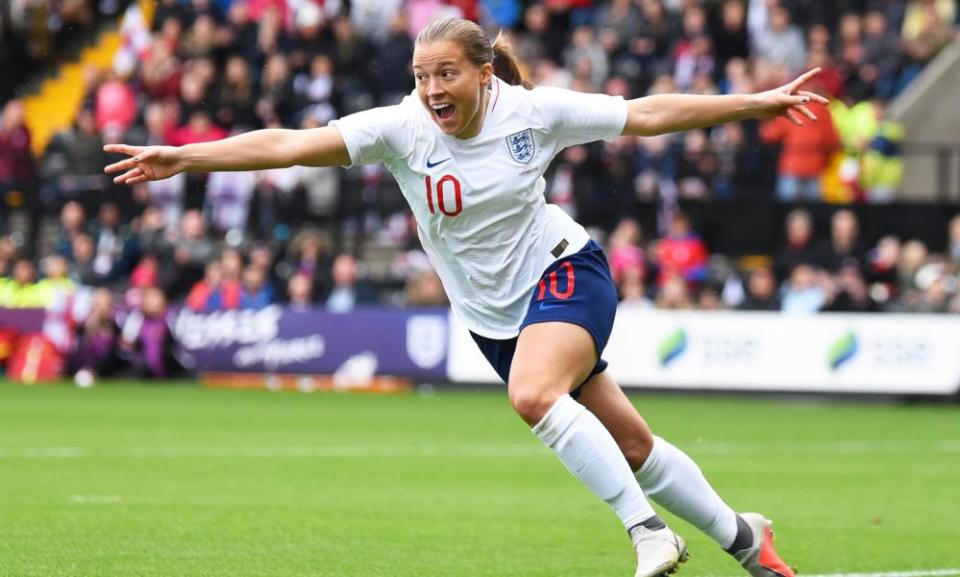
(744, 216)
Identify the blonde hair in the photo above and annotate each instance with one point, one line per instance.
(478, 48)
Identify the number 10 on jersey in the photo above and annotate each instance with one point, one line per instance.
(447, 185)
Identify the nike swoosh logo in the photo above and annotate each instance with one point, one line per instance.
(432, 164)
(544, 306)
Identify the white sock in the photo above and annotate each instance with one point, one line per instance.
(588, 451)
(675, 482)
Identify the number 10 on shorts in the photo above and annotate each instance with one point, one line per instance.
(567, 268)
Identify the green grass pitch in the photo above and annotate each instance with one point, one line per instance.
(176, 481)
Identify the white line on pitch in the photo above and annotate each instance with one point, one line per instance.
(917, 573)
(95, 499)
(277, 452)
(836, 447)
(515, 450)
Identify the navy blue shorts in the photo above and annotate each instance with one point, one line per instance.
(577, 289)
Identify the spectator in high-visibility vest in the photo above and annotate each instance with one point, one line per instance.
(927, 28)
(20, 290)
(55, 284)
(881, 167)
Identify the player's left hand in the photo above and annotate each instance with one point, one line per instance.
(789, 100)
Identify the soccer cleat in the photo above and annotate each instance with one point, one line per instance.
(659, 552)
(761, 559)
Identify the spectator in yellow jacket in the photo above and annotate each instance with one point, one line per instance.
(55, 284)
(20, 291)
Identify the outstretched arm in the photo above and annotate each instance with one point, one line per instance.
(663, 113)
(257, 150)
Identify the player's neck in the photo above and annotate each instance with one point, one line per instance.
(474, 129)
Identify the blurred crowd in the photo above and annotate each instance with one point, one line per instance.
(834, 271)
(38, 34)
(201, 70)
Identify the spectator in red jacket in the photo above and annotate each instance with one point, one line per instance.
(227, 296)
(805, 153)
(682, 253)
(198, 298)
(200, 128)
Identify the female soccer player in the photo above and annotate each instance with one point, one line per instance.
(469, 148)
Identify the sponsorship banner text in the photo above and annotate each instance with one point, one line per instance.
(824, 353)
(280, 340)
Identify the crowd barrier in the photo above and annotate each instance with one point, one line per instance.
(736, 351)
(825, 353)
(284, 341)
(22, 320)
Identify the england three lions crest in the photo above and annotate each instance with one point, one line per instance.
(427, 340)
(521, 146)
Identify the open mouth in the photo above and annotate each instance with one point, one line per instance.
(443, 111)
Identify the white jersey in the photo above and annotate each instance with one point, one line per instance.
(479, 202)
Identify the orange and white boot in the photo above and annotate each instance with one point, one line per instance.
(761, 559)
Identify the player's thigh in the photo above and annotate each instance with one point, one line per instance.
(550, 360)
(605, 399)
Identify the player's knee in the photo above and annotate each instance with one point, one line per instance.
(636, 449)
(531, 402)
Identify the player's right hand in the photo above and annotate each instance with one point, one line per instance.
(145, 163)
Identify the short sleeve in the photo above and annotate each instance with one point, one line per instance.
(578, 117)
(376, 135)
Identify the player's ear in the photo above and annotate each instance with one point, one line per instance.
(486, 74)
